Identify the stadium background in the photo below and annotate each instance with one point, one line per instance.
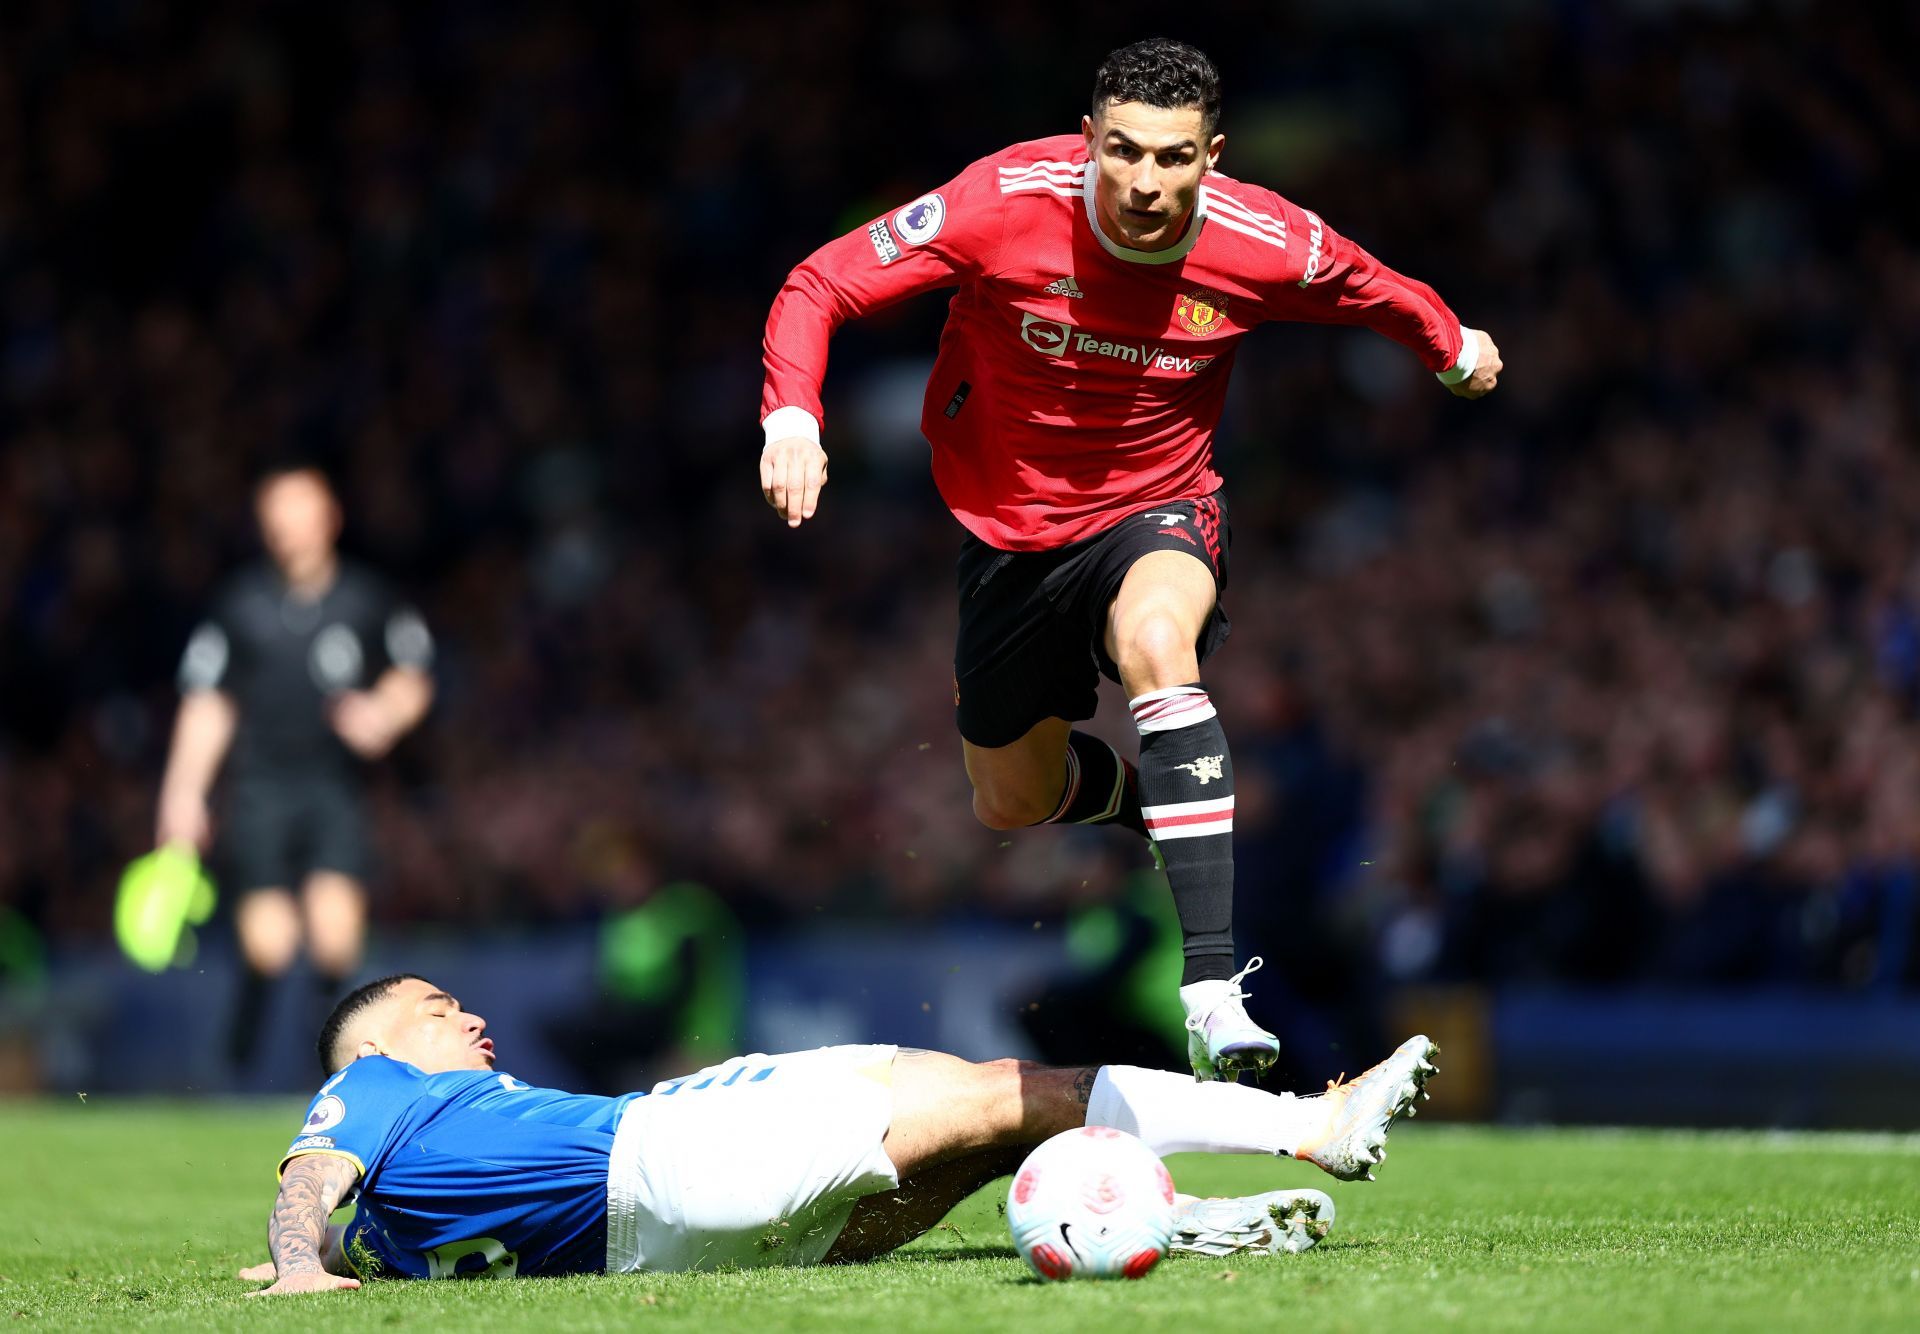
(1586, 714)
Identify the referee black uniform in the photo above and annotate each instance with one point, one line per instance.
(293, 788)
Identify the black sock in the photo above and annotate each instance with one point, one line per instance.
(1102, 788)
(327, 991)
(249, 1011)
(327, 988)
(1186, 793)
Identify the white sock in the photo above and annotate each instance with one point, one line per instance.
(1177, 1114)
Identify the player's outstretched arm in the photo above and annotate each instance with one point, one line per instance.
(1331, 280)
(311, 1189)
(942, 239)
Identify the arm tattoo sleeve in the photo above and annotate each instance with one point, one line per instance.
(309, 1193)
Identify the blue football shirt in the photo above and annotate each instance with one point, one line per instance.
(468, 1172)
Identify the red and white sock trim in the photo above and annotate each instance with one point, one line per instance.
(1189, 819)
(1072, 788)
(1170, 709)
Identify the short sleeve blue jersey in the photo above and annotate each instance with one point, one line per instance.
(466, 1172)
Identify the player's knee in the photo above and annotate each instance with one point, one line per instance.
(335, 954)
(269, 940)
(1000, 808)
(1156, 642)
(333, 943)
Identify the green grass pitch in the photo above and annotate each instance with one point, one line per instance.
(135, 1215)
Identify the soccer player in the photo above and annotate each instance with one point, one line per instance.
(832, 1155)
(1105, 280)
(307, 668)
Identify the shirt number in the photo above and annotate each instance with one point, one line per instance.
(444, 1261)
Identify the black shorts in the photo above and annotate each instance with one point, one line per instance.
(1033, 624)
(277, 833)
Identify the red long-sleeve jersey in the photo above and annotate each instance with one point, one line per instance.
(1079, 381)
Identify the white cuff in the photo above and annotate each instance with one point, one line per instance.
(786, 423)
(1468, 359)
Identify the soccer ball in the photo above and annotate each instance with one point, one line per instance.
(1091, 1203)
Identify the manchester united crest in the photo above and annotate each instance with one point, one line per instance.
(1201, 311)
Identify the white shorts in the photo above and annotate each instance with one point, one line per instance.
(756, 1161)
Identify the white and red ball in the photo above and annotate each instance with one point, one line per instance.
(1091, 1203)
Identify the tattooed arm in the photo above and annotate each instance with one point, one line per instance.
(311, 1189)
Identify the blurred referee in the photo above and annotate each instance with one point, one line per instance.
(306, 668)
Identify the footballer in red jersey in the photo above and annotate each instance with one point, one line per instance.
(1104, 282)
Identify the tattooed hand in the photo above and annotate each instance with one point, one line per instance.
(311, 1190)
(317, 1282)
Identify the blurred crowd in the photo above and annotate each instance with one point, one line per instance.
(1613, 677)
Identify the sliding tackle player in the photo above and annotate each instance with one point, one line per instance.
(827, 1156)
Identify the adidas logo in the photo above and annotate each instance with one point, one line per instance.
(1064, 287)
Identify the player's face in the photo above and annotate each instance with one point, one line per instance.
(299, 522)
(422, 1025)
(1150, 163)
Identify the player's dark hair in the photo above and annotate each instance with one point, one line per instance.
(351, 1007)
(1160, 72)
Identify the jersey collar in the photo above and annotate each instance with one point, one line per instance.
(1131, 256)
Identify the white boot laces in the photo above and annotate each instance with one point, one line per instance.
(1198, 1021)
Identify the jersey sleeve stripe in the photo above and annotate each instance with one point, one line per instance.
(1221, 219)
(1018, 183)
(1064, 191)
(1043, 168)
(1228, 204)
(1238, 205)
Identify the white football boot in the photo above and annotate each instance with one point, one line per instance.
(1281, 1222)
(1221, 1039)
(1359, 1110)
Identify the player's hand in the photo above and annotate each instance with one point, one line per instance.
(316, 1281)
(1486, 370)
(260, 1273)
(792, 471)
(365, 722)
(183, 818)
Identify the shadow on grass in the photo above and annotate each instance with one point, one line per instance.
(948, 1254)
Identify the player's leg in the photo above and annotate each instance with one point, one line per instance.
(336, 921)
(334, 896)
(267, 923)
(256, 850)
(946, 1109)
(1019, 783)
(1021, 678)
(886, 1222)
(1052, 775)
(1155, 628)
(955, 1125)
